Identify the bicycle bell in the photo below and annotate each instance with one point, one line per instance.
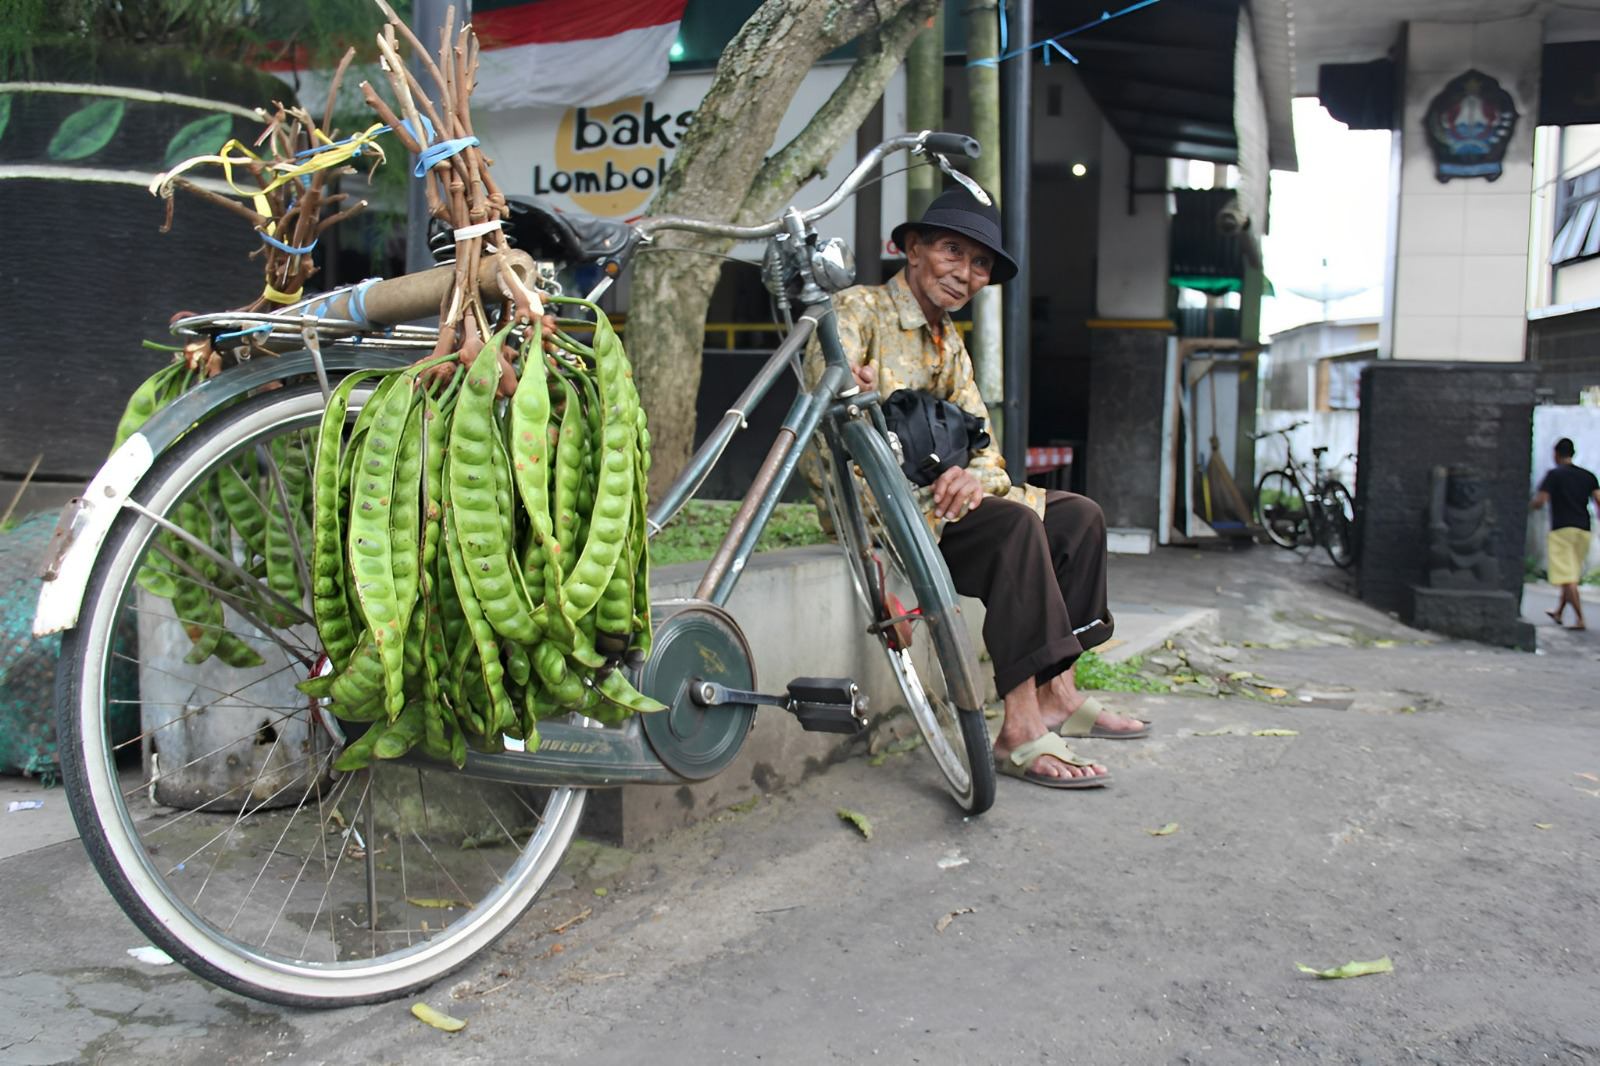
(833, 265)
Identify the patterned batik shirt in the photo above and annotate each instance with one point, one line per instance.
(884, 327)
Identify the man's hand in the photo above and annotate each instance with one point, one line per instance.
(955, 492)
(866, 376)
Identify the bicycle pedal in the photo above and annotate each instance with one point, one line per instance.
(828, 704)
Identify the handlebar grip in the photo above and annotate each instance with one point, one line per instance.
(953, 144)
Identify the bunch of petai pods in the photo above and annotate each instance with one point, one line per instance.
(478, 566)
(474, 565)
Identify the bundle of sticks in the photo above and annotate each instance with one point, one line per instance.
(460, 190)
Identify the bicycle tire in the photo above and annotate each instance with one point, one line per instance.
(1339, 523)
(898, 574)
(1281, 509)
(265, 887)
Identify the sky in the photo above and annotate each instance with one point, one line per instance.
(1329, 223)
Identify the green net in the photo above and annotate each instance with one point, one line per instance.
(28, 663)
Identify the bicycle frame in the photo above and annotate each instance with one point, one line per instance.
(571, 755)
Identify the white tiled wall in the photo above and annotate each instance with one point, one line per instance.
(1462, 249)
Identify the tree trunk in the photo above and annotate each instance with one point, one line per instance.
(722, 172)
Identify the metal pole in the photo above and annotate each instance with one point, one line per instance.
(869, 205)
(983, 97)
(427, 20)
(1017, 98)
(925, 107)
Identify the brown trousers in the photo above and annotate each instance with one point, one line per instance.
(1038, 580)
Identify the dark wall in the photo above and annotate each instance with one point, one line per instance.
(1565, 350)
(87, 275)
(1418, 415)
(724, 376)
(1123, 453)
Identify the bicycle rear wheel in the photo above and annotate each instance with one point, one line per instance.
(912, 609)
(1281, 509)
(1338, 524)
(219, 825)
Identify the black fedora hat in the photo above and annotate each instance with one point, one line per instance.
(958, 211)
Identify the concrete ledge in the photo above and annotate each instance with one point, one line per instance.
(798, 612)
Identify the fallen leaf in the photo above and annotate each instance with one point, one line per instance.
(1275, 732)
(570, 922)
(1225, 732)
(858, 820)
(747, 805)
(1352, 969)
(877, 760)
(1165, 831)
(437, 904)
(437, 1019)
(1384, 643)
(1544, 825)
(1240, 675)
(944, 923)
(1276, 692)
(600, 892)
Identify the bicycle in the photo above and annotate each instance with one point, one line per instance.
(218, 824)
(1296, 505)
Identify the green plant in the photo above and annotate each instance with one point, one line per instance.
(694, 532)
(1126, 675)
(1531, 570)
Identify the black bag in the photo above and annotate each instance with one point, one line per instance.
(934, 434)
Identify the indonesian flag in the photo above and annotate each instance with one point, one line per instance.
(563, 53)
(544, 53)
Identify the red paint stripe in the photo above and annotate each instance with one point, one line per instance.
(560, 21)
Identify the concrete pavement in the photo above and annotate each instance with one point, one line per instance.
(1435, 804)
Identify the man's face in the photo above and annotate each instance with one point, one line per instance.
(945, 270)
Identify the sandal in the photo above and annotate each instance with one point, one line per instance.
(1081, 725)
(1018, 762)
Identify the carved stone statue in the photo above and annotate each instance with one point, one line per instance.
(1461, 533)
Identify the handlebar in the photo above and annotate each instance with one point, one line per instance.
(926, 142)
(1284, 430)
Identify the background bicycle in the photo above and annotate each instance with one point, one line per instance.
(1300, 505)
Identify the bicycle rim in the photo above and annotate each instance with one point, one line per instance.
(1339, 511)
(1281, 509)
(881, 569)
(204, 793)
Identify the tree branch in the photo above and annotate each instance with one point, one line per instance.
(789, 168)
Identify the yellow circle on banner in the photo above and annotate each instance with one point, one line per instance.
(607, 159)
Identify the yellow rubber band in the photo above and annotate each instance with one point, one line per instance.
(269, 293)
(287, 172)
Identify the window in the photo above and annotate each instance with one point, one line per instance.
(1577, 203)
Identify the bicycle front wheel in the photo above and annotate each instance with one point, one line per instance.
(1281, 509)
(912, 610)
(204, 792)
(1338, 524)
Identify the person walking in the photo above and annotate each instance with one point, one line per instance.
(1568, 489)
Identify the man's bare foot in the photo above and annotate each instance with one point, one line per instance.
(1058, 702)
(1047, 765)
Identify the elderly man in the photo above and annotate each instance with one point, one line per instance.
(1035, 558)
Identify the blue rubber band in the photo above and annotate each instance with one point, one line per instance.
(358, 302)
(427, 130)
(438, 153)
(291, 249)
(263, 328)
